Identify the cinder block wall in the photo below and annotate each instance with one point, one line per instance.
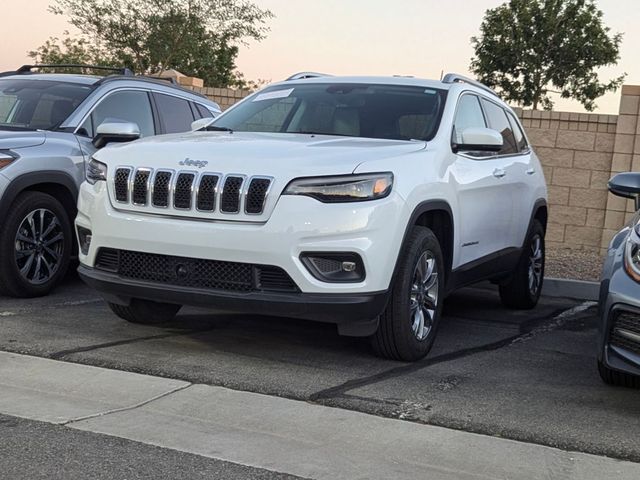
(225, 97)
(579, 153)
(576, 151)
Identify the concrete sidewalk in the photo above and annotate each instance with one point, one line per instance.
(273, 433)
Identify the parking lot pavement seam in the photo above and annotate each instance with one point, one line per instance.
(404, 369)
(63, 353)
(557, 323)
(128, 408)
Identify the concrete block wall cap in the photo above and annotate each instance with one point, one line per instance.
(567, 288)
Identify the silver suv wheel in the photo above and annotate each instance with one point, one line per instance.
(39, 245)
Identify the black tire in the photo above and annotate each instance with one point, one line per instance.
(396, 338)
(619, 379)
(518, 292)
(146, 312)
(24, 253)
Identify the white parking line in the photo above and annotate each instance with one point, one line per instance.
(275, 433)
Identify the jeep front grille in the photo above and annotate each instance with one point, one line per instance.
(194, 272)
(191, 191)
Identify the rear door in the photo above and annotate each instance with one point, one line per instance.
(516, 163)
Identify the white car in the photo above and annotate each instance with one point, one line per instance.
(360, 201)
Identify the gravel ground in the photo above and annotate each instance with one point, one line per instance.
(573, 264)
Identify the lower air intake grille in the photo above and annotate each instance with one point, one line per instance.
(625, 332)
(194, 272)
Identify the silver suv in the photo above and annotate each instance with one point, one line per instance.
(50, 125)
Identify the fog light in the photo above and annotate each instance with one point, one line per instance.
(84, 239)
(334, 267)
(349, 266)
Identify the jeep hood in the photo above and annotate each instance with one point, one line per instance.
(19, 139)
(274, 154)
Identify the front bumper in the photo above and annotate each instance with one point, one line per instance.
(355, 315)
(619, 295)
(372, 230)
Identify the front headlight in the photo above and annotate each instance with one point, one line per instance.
(632, 253)
(7, 157)
(96, 171)
(343, 188)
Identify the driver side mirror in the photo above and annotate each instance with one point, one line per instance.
(112, 131)
(479, 140)
(626, 185)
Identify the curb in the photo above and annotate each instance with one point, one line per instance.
(578, 289)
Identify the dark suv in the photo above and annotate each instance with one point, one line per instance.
(50, 125)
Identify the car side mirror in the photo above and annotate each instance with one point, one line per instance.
(626, 185)
(476, 139)
(111, 131)
(201, 123)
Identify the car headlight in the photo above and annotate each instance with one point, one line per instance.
(632, 253)
(96, 171)
(7, 157)
(343, 188)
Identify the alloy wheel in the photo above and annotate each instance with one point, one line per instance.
(536, 262)
(424, 296)
(39, 246)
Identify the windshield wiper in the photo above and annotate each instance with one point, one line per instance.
(309, 132)
(215, 128)
(15, 128)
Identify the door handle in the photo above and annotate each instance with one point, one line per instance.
(531, 171)
(499, 173)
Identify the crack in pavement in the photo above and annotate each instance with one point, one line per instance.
(527, 330)
(63, 353)
(129, 408)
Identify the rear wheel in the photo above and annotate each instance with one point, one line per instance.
(408, 326)
(146, 312)
(523, 288)
(35, 245)
(619, 379)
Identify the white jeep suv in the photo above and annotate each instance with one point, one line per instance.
(359, 201)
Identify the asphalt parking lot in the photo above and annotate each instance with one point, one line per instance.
(528, 376)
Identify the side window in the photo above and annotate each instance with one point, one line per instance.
(521, 141)
(203, 111)
(175, 113)
(129, 106)
(498, 121)
(469, 114)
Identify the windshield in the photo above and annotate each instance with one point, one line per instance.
(357, 110)
(38, 104)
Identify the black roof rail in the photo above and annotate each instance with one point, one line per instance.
(455, 78)
(29, 68)
(303, 75)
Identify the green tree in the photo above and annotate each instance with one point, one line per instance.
(196, 37)
(530, 48)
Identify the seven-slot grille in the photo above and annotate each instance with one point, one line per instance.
(191, 191)
(194, 272)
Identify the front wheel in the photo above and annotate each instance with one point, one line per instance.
(35, 245)
(408, 326)
(522, 290)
